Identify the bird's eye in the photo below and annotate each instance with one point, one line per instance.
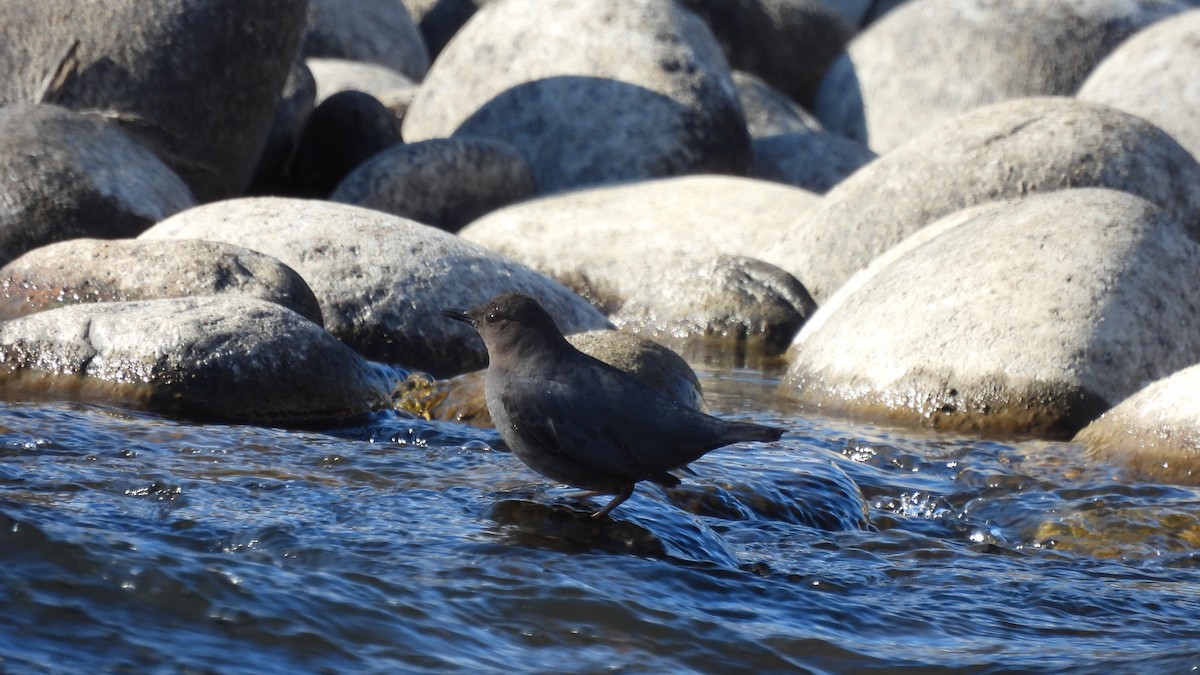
(491, 317)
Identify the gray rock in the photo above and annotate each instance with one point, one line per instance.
(338, 75)
(999, 152)
(197, 82)
(64, 175)
(375, 31)
(589, 92)
(768, 111)
(814, 160)
(1029, 318)
(1153, 75)
(1154, 432)
(609, 243)
(344, 131)
(381, 280)
(445, 182)
(439, 20)
(931, 60)
(862, 13)
(226, 358)
(295, 106)
(94, 270)
(742, 302)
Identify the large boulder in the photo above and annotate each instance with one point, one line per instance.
(1153, 75)
(931, 60)
(1003, 151)
(224, 358)
(1029, 318)
(374, 31)
(196, 81)
(591, 92)
(382, 280)
(95, 270)
(64, 174)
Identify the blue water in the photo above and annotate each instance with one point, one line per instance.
(131, 543)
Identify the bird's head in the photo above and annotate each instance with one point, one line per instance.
(509, 323)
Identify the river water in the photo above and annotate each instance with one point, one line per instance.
(131, 543)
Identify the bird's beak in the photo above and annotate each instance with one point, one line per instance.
(458, 315)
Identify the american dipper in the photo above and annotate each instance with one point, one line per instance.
(578, 420)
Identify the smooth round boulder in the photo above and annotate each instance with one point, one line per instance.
(445, 182)
(439, 20)
(590, 92)
(196, 82)
(1029, 318)
(64, 175)
(345, 130)
(337, 75)
(1004, 151)
(95, 270)
(1155, 433)
(1153, 75)
(609, 243)
(932, 60)
(812, 160)
(374, 31)
(219, 358)
(382, 280)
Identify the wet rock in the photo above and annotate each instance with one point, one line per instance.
(381, 280)
(444, 182)
(1008, 150)
(375, 31)
(338, 75)
(295, 105)
(439, 20)
(1154, 432)
(788, 43)
(589, 92)
(931, 60)
(461, 398)
(196, 82)
(584, 238)
(1030, 318)
(93, 270)
(815, 160)
(224, 358)
(65, 175)
(1153, 75)
(729, 299)
(344, 131)
(768, 111)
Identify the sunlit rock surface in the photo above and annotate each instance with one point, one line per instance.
(590, 92)
(1008, 150)
(334, 75)
(1030, 318)
(217, 358)
(931, 60)
(373, 31)
(382, 280)
(1155, 433)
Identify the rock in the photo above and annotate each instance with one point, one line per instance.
(859, 14)
(590, 92)
(742, 302)
(295, 106)
(374, 31)
(65, 175)
(1154, 432)
(382, 280)
(93, 270)
(1152, 75)
(439, 20)
(608, 243)
(226, 358)
(461, 398)
(445, 182)
(768, 111)
(1008, 150)
(931, 60)
(337, 75)
(814, 160)
(788, 43)
(344, 131)
(1030, 318)
(196, 82)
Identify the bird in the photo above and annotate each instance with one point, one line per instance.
(580, 421)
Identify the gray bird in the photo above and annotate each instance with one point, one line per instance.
(578, 420)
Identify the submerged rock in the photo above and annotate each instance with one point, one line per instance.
(225, 358)
(590, 92)
(1027, 318)
(94, 270)
(382, 280)
(65, 175)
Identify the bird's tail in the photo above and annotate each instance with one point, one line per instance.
(747, 431)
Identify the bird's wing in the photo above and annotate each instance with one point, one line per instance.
(554, 417)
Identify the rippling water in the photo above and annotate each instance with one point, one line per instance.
(130, 543)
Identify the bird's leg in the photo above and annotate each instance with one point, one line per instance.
(625, 493)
